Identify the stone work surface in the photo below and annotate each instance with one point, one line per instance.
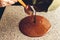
(9, 24)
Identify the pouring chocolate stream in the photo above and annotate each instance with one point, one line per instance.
(31, 9)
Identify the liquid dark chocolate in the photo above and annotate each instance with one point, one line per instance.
(37, 29)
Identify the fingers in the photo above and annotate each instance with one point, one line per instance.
(4, 3)
(14, 0)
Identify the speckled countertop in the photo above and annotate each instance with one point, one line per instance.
(9, 24)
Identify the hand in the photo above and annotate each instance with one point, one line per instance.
(4, 3)
(28, 10)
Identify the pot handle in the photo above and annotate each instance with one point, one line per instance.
(22, 3)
